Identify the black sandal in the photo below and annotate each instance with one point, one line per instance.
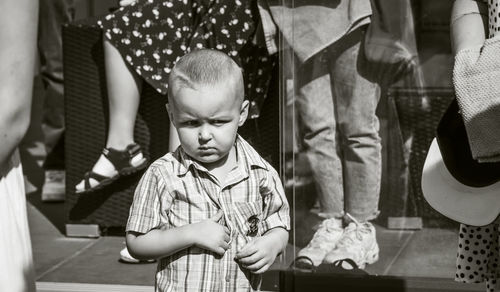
(121, 160)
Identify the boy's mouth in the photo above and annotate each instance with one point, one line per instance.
(207, 149)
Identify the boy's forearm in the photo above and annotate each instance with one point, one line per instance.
(280, 236)
(160, 242)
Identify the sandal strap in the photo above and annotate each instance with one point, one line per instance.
(338, 263)
(121, 158)
(90, 174)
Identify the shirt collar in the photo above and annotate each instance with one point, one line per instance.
(244, 151)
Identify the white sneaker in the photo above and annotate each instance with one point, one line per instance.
(127, 258)
(359, 243)
(54, 187)
(323, 241)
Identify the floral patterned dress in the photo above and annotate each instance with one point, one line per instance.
(152, 35)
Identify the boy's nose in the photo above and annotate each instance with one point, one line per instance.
(204, 133)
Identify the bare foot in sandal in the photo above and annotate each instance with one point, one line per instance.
(110, 166)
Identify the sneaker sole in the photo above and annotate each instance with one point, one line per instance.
(371, 256)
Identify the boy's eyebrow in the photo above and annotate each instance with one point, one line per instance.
(221, 117)
(187, 118)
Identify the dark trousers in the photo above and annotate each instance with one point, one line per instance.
(53, 14)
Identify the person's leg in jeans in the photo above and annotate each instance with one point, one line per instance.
(355, 103)
(316, 113)
(52, 15)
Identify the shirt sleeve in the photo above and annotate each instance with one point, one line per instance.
(276, 209)
(151, 203)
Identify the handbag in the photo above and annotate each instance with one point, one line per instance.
(476, 79)
(336, 277)
(390, 42)
(343, 267)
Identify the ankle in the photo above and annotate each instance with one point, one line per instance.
(119, 145)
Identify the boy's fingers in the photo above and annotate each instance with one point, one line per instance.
(248, 250)
(262, 270)
(256, 266)
(220, 251)
(250, 260)
(226, 238)
(226, 230)
(224, 245)
(217, 216)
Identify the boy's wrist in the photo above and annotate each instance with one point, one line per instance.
(191, 234)
(276, 236)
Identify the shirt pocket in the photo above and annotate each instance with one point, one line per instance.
(248, 217)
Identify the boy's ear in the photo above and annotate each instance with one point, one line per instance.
(243, 113)
(170, 114)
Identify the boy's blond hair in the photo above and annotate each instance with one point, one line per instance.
(205, 67)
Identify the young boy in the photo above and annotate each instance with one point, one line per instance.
(214, 212)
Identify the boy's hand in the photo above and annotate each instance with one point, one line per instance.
(258, 255)
(211, 235)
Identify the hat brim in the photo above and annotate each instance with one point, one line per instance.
(477, 206)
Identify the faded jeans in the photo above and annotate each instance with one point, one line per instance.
(53, 14)
(336, 105)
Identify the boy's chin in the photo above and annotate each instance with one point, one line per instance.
(206, 159)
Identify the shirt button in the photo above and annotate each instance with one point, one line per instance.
(227, 278)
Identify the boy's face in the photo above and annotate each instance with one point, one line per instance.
(206, 120)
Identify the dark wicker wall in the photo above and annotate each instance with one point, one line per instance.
(86, 111)
(418, 111)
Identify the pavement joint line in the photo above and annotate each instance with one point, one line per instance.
(396, 256)
(88, 287)
(66, 260)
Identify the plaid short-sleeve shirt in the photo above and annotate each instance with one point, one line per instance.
(177, 190)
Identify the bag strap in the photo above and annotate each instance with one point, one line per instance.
(338, 263)
(306, 267)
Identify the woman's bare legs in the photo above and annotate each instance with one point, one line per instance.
(18, 33)
(124, 88)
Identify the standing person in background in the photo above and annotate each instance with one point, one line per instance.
(53, 14)
(336, 102)
(478, 258)
(142, 41)
(18, 31)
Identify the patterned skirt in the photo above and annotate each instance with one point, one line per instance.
(151, 35)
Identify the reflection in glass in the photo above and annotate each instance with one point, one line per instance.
(359, 116)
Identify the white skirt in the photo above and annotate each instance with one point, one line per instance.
(16, 263)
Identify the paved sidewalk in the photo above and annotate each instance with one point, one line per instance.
(83, 264)
(425, 258)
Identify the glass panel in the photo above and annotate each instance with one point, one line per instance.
(362, 97)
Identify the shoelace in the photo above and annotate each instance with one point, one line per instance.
(358, 232)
